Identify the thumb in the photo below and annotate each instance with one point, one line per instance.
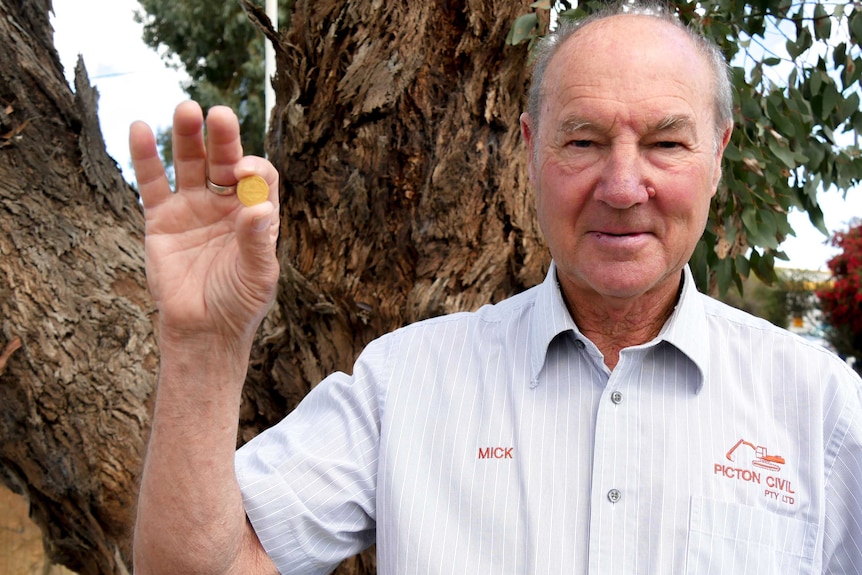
(257, 233)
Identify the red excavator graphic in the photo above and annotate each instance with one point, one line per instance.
(763, 460)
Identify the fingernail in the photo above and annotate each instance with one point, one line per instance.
(260, 223)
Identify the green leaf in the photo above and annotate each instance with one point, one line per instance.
(756, 75)
(812, 187)
(815, 216)
(776, 110)
(732, 154)
(768, 230)
(803, 42)
(848, 107)
(749, 218)
(743, 266)
(782, 152)
(822, 23)
(851, 72)
(523, 28)
(724, 275)
(827, 133)
(573, 14)
(750, 107)
(764, 268)
(855, 25)
(831, 97)
(700, 266)
(839, 55)
(815, 152)
(816, 81)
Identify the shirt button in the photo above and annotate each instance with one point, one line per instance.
(617, 397)
(614, 495)
(579, 344)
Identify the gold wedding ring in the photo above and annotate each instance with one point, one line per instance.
(218, 189)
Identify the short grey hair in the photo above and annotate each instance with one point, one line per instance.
(566, 29)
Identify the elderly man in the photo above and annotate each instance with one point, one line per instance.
(610, 420)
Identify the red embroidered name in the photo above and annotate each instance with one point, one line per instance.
(496, 452)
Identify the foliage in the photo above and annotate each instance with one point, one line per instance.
(842, 301)
(790, 297)
(796, 71)
(222, 52)
(767, 302)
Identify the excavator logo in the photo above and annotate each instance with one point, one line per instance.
(762, 459)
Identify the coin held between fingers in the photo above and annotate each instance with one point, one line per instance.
(252, 190)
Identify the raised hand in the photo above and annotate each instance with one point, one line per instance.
(211, 262)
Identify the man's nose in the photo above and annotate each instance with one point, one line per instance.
(622, 184)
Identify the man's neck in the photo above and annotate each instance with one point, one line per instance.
(613, 324)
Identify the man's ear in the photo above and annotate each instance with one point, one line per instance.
(527, 132)
(719, 153)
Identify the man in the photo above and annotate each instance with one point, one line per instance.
(610, 420)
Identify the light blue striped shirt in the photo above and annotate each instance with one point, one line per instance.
(498, 442)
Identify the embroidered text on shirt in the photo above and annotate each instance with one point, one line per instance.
(778, 489)
(496, 452)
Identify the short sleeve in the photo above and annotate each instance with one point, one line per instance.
(309, 482)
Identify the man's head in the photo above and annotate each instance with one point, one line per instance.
(628, 117)
(550, 44)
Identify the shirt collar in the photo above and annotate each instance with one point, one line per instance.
(686, 329)
(550, 318)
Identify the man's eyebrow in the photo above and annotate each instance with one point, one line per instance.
(675, 123)
(669, 123)
(574, 124)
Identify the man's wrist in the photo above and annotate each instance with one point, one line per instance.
(212, 360)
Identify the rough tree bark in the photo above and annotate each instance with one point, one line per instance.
(403, 176)
(73, 398)
(404, 180)
(404, 196)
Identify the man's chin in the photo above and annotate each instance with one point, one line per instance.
(625, 281)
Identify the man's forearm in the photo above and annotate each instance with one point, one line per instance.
(190, 515)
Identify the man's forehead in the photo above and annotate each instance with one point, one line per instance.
(626, 38)
(637, 59)
(627, 26)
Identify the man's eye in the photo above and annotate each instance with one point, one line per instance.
(581, 143)
(668, 145)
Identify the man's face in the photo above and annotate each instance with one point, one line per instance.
(624, 156)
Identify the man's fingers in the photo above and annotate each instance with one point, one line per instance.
(188, 147)
(257, 234)
(223, 144)
(221, 156)
(153, 184)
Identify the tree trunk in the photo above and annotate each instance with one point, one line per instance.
(404, 186)
(404, 196)
(403, 174)
(73, 398)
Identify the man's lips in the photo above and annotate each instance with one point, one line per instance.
(620, 240)
(617, 234)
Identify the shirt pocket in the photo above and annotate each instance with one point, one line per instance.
(732, 538)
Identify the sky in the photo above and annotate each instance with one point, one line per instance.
(134, 84)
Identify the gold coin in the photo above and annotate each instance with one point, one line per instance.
(252, 190)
